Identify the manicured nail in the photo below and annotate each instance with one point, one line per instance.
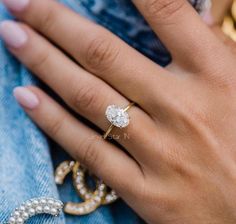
(13, 34)
(16, 5)
(208, 18)
(26, 98)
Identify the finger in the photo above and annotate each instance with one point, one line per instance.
(85, 145)
(225, 39)
(83, 92)
(99, 51)
(182, 30)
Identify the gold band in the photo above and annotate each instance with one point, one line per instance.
(109, 130)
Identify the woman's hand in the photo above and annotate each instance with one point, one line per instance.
(182, 135)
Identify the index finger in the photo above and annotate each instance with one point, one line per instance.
(181, 29)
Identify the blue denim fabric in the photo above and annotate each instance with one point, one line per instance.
(26, 156)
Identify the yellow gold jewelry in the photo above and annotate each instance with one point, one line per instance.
(118, 117)
(90, 204)
(86, 193)
(63, 170)
(92, 200)
(82, 188)
(229, 23)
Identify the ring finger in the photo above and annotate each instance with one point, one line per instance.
(85, 93)
(81, 142)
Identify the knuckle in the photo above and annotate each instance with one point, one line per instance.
(90, 154)
(163, 9)
(157, 199)
(101, 53)
(39, 61)
(54, 126)
(47, 19)
(86, 98)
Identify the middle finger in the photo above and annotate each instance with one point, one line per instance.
(85, 93)
(99, 51)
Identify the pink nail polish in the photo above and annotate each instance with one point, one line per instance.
(13, 34)
(16, 5)
(26, 98)
(208, 18)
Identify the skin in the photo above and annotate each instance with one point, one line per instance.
(182, 136)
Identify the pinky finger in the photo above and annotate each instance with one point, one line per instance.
(84, 144)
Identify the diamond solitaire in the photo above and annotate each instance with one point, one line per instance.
(117, 116)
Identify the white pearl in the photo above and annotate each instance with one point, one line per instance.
(60, 172)
(50, 202)
(33, 207)
(97, 199)
(79, 186)
(39, 209)
(22, 208)
(87, 207)
(28, 204)
(101, 187)
(43, 201)
(81, 210)
(20, 221)
(101, 194)
(25, 215)
(31, 211)
(16, 214)
(35, 202)
(82, 191)
(87, 196)
(58, 204)
(12, 220)
(93, 203)
(54, 211)
(46, 209)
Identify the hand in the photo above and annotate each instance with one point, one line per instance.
(182, 135)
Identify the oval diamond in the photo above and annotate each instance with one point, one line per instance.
(117, 116)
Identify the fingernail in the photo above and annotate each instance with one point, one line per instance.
(16, 5)
(26, 98)
(208, 18)
(13, 34)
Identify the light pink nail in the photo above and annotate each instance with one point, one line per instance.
(13, 34)
(26, 98)
(16, 5)
(208, 18)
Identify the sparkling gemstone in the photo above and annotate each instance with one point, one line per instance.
(117, 116)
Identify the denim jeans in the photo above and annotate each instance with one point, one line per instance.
(27, 157)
